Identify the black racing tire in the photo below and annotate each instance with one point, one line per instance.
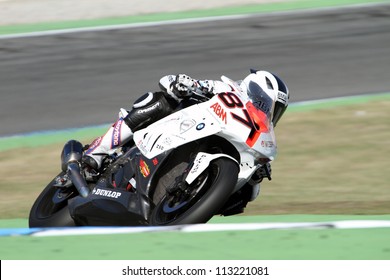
(47, 213)
(220, 180)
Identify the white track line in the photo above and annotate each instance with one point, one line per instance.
(352, 224)
(186, 21)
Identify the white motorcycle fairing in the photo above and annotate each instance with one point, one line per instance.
(229, 115)
(175, 130)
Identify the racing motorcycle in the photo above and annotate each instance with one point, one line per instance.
(202, 160)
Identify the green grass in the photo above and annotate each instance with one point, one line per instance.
(290, 244)
(331, 160)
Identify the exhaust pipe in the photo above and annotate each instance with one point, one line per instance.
(70, 162)
(72, 152)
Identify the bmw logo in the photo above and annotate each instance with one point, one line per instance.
(200, 126)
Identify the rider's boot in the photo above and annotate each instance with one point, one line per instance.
(116, 136)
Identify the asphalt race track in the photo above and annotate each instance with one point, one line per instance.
(82, 79)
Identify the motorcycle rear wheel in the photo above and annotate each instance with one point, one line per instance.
(50, 212)
(208, 194)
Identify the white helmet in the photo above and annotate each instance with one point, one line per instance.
(263, 88)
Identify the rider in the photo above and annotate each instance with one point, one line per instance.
(153, 106)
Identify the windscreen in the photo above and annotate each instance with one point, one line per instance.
(260, 99)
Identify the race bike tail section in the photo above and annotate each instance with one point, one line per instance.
(195, 163)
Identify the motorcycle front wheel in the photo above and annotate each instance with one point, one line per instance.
(50, 209)
(199, 202)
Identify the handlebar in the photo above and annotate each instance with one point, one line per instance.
(202, 97)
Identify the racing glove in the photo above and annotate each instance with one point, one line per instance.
(183, 86)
